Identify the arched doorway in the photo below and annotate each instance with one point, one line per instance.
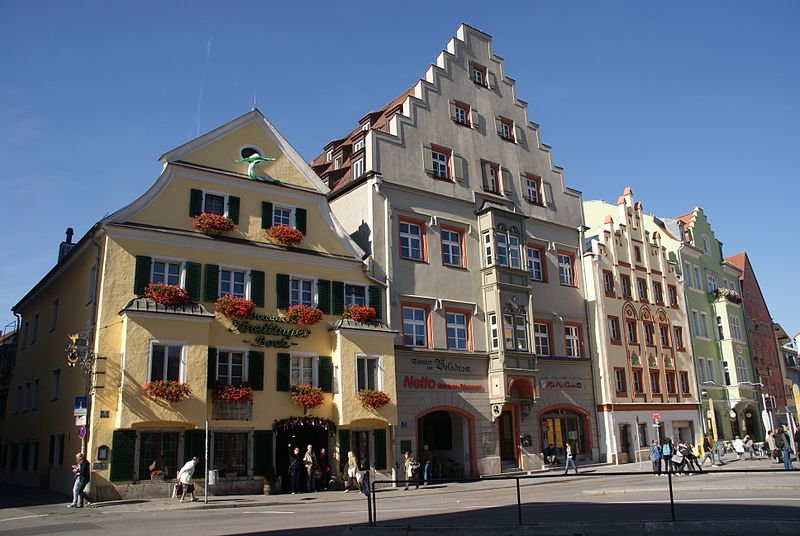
(566, 423)
(450, 435)
(300, 432)
(751, 424)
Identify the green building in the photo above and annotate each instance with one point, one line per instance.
(724, 366)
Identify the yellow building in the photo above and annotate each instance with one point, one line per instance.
(101, 290)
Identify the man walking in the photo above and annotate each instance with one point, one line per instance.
(782, 444)
(655, 457)
(568, 454)
(310, 461)
(427, 468)
(82, 476)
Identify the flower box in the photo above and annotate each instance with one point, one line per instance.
(169, 390)
(284, 235)
(730, 295)
(212, 224)
(359, 313)
(233, 393)
(304, 315)
(166, 294)
(373, 398)
(234, 307)
(307, 396)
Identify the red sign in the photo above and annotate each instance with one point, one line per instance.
(425, 382)
(656, 416)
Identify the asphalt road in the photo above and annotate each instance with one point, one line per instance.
(591, 499)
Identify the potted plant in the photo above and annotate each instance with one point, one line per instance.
(234, 393)
(166, 294)
(169, 390)
(234, 307)
(157, 474)
(284, 235)
(373, 398)
(359, 313)
(307, 396)
(212, 224)
(304, 315)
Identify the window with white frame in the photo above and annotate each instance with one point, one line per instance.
(368, 373)
(711, 281)
(741, 370)
(573, 338)
(214, 203)
(281, 216)
(358, 168)
(704, 324)
(706, 245)
(701, 369)
(166, 362)
(303, 370)
(532, 193)
(329, 156)
(541, 338)
(726, 373)
(494, 334)
(415, 329)
(712, 377)
(460, 114)
(355, 295)
(457, 331)
(357, 146)
(687, 274)
(501, 243)
(698, 280)
(506, 247)
(515, 332)
(491, 177)
(566, 269)
(440, 168)
(736, 327)
(231, 369)
(232, 283)
(301, 291)
(166, 272)
(451, 248)
(720, 332)
(411, 240)
(535, 268)
(487, 249)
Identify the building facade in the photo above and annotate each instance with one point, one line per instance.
(455, 199)
(645, 376)
(714, 306)
(763, 344)
(231, 355)
(790, 365)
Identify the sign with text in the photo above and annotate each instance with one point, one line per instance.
(656, 416)
(425, 382)
(80, 406)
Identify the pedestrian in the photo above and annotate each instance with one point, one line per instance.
(655, 457)
(550, 454)
(295, 466)
(352, 470)
(708, 453)
(82, 475)
(782, 444)
(185, 478)
(427, 467)
(693, 458)
(797, 439)
(749, 446)
(410, 469)
(738, 447)
(666, 454)
(324, 470)
(310, 461)
(570, 458)
(720, 451)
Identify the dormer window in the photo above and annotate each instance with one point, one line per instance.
(478, 74)
(329, 156)
(357, 146)
(337, 162)
(366, 126)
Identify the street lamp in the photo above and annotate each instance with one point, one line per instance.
(80, 356)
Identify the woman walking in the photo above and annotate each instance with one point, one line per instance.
(569, 455)
(295, 463)
(352, 470)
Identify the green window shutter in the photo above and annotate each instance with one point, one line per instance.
(194, 444)
(193, 280)
(211, 377)
(325, 374)
(233, 209)
(338, 297)
(123, 446)
(427, 158)
(262, 452)
(212, 282)
(344, 448)
(257, 287)
(380, 448)
(255, 370)
(282, 290)
(375, 293)
(300, 220)
(195, 203)
(324, 295)
(266, 215)
(141, 277)
(284, 363)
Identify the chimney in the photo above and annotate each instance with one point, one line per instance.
(65, 247)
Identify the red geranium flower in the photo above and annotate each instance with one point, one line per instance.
(212, 224)
(305, 315)
(359, 313)
(284, 235)
(373, 399)
(166, 294)
(234, 307)
(169, 390)
(307, 396)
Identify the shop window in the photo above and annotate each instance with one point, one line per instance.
(158, 451)
(231, 453)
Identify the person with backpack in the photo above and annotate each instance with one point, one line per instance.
(655, 457)
(782, 444)
(666, 454)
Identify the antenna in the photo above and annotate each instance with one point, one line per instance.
(254, 100)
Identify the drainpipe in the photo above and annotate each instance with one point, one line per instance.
(581, 233)
(95, 336)
(690, 337)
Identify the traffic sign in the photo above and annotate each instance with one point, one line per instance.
(80, 406)
(81, 432)
(656, 416)
(80, 420)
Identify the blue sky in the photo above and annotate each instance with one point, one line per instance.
(690, 103)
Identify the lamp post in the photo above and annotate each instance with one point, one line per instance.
(79, 356)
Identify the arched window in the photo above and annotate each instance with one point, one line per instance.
(741, 370)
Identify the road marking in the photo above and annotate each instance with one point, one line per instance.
(679, 501)
(269, 512)
(445, 508)
(23, 517)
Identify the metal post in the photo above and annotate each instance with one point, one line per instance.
(519, 503)
(205, 485)
(671, 497)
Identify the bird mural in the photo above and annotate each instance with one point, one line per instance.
(254, 160)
